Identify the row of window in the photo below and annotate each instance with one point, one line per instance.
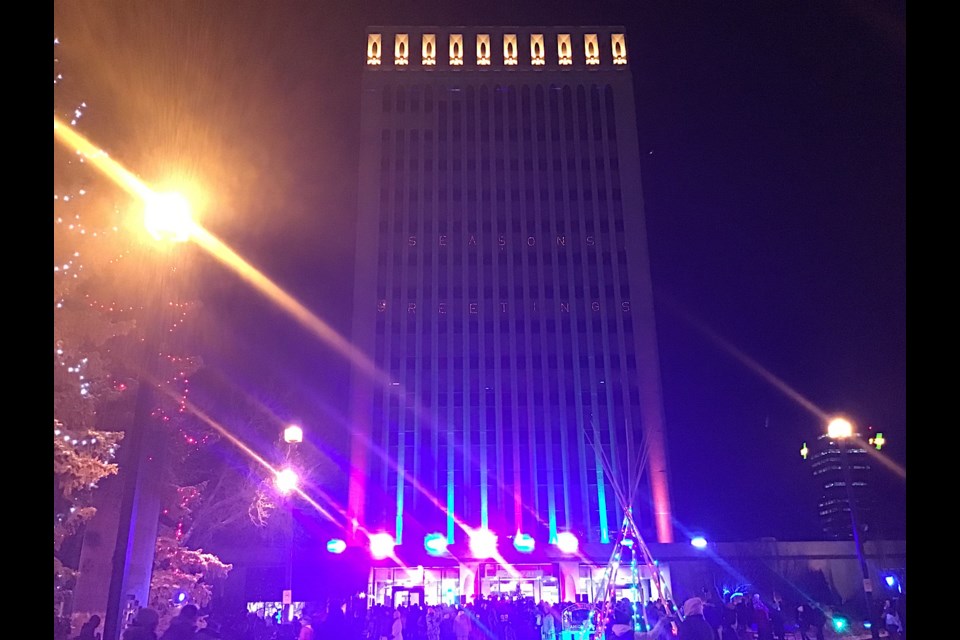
(488, 52)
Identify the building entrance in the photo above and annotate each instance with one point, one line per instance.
(408, 596)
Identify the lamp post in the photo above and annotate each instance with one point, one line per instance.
(286, 482)
(166, 218)
(839, 430)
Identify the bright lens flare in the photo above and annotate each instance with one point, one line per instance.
(839, 428)
(381, 545)
(286, 481)
(567, 542)
(167, 217)
(293, 434)
(483, 543)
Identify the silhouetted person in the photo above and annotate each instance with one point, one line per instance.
(694, 626)
(89, 629)
(144, 625)
(183, 626)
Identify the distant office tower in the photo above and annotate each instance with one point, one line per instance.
(503, 289)
(834, 506)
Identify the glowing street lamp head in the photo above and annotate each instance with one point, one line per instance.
(336, 546)
(524, 542)
(286, 480)
(839, 429)
(293, 434)
(381, 545)
(483, 543)
(167, 217)
(567, 542)
(435, 544)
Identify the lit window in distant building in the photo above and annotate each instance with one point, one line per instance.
(456, 49)
(564, 50)
(373, 48)
(428, 50)
(401, 49)
(619, 45)
(483, 49)
(536, 50)
(591, 48)
(510, 49)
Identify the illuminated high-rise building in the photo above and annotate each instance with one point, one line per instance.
(833, 504)
(502, 290)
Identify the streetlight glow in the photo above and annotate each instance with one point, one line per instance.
(286, 480)
(567, 542)
(293, 434)
(167, 216)
(381, 545)
(839, 428)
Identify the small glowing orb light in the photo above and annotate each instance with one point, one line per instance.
(567, 542)
(699, 542)
(435, 544)
(181, 596)
(293, 434)
(336, 546)
(524, 542)
(286, 480)
(167, 217)
(839, 624)
(381, 545)
(483, 543)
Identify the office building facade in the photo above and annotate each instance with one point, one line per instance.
(833, 468)
(502, 291)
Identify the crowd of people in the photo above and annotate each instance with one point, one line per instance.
(736, 617)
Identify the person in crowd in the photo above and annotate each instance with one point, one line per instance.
(891, 620)
(777, 619)
(728, 621)
(335, 625)
(89, 629)
(307, 630)
(744, 616)
(712, 613)
(447, 631)
(694, 625)
(622, 628)
(396, 626)
(761, 618)
(548, 623)
(810, 615)
(433, 623)
(184, 625)
(462, 625)
(144, 625)
(210, 631)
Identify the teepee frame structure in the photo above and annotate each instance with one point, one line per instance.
(629, 533)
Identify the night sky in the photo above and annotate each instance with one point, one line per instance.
(773, 142)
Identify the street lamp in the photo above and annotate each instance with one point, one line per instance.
(839, 430)
(286, 482)
(166, 217)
